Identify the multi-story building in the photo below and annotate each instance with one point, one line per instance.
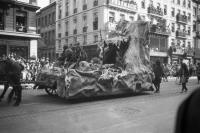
(89, 21)
(196, 29)
(17, 28)
(45, 20)
(52, 1)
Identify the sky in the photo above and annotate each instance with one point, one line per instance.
(43, 3)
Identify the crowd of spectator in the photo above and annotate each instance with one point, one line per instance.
(31, 66)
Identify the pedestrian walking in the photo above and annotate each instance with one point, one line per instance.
(166, 73)
(184, 74)
(198, 72)
(158, 71)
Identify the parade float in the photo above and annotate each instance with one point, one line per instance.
(122, 67)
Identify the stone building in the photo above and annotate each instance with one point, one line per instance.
(17, 28)
(45, 20)
(88, 21)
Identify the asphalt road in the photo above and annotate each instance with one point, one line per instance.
(144, 113)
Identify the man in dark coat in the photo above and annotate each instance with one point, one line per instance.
(158, 71)
(188, 115)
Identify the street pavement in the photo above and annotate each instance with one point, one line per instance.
(144, 113)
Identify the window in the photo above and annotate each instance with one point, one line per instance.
(75, 39)
(49, 19)
(194, 11)
(165, 9)
(84, 39)
(59, 12)
(189, 17)
(173, 12)
(75, 20)
(74, 4)
(173, 27)
(184, 28)
(189, 4)
(59, 25)
(67, 8)
(67, 28)
(53, 17)
(179, 11)
(95, 22)
(189, 30)
(194, 25)
(59, 44)
(45, 20)
(184, 3)
(178, 27)
(122, 17)
(38, 21)
(178, 2)
(131, 18)
(66, 42)
(21, 21)
(183, 43)
(111, 17)
(143, 4)
(189, 44)
(85, 20)
(95, 38)
(59, 35)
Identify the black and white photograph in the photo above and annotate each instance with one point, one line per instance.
(99, 66)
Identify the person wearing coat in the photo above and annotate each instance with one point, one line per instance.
(198, 72)
(158, 71)
(184, 74)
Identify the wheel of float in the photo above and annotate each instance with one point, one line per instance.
(52, 91)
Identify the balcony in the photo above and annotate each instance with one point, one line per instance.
(95, 3)
(181, 34)
(130, 7)
(84, 7)
(181, 18)
(75, 31)
(85, 29)
(155, 11)
(75, 10)
(159, 30)
(21, 28)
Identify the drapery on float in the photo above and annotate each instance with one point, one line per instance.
(124, 66)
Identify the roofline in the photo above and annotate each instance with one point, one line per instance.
(26, 4)
(46, 7)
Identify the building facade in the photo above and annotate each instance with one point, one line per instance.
(45, 21)
(89, 21)
(17, 28)
(196, 28)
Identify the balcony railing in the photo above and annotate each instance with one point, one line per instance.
(155, 11)
(180, 33)
(159, 30)
(85, 29)
(75, 31)
(181, 18)
(21, 28)
(123, 6)
(95, 3)
(75, 10)
(84, 7)
(180, 50)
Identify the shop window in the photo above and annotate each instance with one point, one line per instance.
(21, 21)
